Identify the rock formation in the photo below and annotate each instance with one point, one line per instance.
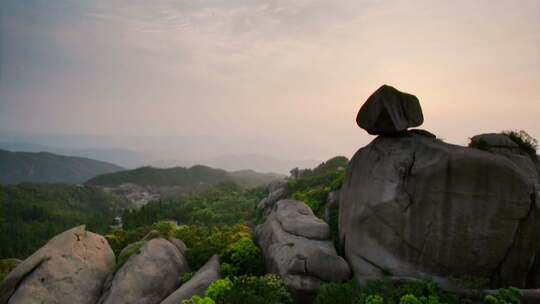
(413, 206)
(276, 192)
(389, 111)
(297, 246)
(148, 276)
(70, 268)
(198, 284)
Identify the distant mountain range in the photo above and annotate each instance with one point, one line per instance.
(188, 178)
(44, 167)
(123, 157)
(257, 162)
(132, 159)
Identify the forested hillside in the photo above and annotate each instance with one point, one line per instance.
(42, 167)
(188, 178)
(31, 214)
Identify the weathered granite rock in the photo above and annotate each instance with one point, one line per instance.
(496, 140)
(298, 219)
(331, 206)
(276, 192)
(70, 268)
(304, 263)
(389, 111)
(148, 276)
(502, 144)
(208, 274)
(179, 245)
(414, 206)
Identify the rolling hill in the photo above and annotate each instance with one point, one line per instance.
(192, 177)
(43, 167)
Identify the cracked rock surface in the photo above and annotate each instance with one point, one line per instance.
(300, 251)
(70, 268)
(413, 206)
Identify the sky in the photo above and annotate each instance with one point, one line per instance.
(286, 73)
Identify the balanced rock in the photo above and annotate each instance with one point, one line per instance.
(413, 206)
(148, 276)
(70, 268)
(389, 111)
(197, 286)
(302, 253)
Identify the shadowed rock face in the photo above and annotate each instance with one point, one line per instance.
(70, 268)
(208, 274)
(416, 207)
(389, 111)
(148, 276)
(300, 252)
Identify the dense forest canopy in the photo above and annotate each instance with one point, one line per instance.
(31, 214)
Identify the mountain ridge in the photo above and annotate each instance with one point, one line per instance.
(46, 167)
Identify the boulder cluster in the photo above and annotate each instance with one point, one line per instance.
(78, 266)
(414, 206)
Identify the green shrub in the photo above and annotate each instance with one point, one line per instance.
(525, 141)
(203, 242)
(505, 296)
(426, 292)
(268, 289)
(242, 257)
(314, 197)
(374, 299)
(409, 299)
(126, 254)
(166, 228)
(186, 277)
(119, 239)
(336, 293)
(6, 266)
(480, 144)
(218, 290)
(199, 300)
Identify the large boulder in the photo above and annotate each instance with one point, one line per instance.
(300, 251)
(389, 111)
(198, 284)
(413, 206)
(70, 268)
(148, 276)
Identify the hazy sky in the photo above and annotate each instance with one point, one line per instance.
(297, 70)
